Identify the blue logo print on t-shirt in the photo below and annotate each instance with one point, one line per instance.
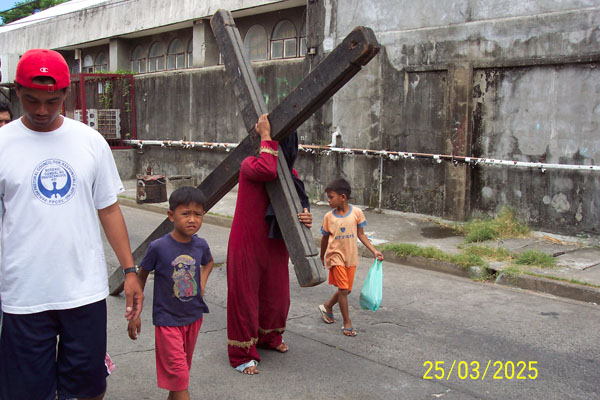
(53, 182)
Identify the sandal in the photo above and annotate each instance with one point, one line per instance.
(327, 317)
(349, 332)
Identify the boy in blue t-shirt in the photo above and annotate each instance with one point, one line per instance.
(181, 263)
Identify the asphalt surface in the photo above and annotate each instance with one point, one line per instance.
(426, 317)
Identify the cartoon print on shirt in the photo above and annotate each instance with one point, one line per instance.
(184, 272)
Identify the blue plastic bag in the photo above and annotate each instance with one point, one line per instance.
(372, 290)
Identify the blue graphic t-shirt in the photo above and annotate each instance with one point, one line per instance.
(177, 299)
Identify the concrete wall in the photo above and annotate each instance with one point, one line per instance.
(497, 79)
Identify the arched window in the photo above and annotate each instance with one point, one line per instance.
(100, 64)
(303, 40)
(88, 64)
(138, 60)
(156, 57)
(176, 55)
(283, 41)
(256, 43)
(190, 58)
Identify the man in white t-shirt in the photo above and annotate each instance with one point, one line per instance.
(57, 179)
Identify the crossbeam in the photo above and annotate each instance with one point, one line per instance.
(343, 63)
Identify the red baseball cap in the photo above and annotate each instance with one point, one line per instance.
(41, 63)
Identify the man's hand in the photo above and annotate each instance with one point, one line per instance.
(305, 218)
(134, 328)
(134, 296)
(378, 255)
(263, 127)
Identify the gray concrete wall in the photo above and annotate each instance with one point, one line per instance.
(497, 79)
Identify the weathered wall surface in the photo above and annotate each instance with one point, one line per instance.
(199, 105)
(496, 79)
(492, 79)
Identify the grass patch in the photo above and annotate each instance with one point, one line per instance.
(535, 258)
(504, 225)
(488, 253)
(512, 271)
(464, 259)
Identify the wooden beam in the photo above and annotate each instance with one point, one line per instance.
(345, 61)
(282, 192)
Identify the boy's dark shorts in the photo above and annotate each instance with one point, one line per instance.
(31, 368)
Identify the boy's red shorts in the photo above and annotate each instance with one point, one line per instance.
(342, 276)
(174, 351)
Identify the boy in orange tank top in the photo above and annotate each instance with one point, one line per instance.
(339, 249)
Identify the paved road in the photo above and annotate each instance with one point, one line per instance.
(426, 316)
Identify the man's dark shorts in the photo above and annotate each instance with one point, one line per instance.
(33, 367)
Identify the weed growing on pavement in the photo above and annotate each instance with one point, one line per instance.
(504, 225)
(512, 271)
(488, 253)
(535, 258)
(465, 260)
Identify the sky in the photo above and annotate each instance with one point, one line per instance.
(6, 4)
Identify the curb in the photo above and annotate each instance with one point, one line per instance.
(211, 219)
(537, 284)
(557, 288)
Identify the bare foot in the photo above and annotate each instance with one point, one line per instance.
(282, 348)
(251, 370)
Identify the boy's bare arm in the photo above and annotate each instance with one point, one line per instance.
(365, 240)
(204, 273)
(134, 327)
(324, 242)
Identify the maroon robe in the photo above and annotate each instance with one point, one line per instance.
(258, 292)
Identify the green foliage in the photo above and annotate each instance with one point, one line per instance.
(488, 253)
(23, 9)
(463, 259)
(505, 225)
(512, 271)
(535, 258)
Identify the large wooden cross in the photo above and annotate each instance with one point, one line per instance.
(345, 61)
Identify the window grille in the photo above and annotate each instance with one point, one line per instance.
(105, 121)
(88, 64)
(100, 64)
(156, 58)
(176, 55)
(190, 53)
(138, 60)
(256, 43)
(284, 41)
(303, 40)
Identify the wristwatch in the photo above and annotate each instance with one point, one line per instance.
(130, 270)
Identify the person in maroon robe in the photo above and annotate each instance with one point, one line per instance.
(258, 293)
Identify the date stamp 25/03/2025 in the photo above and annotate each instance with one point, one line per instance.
(473, 370)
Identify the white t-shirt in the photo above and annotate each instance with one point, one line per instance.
(51, 186)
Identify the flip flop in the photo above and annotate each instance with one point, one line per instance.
(327, 317)
(349, 332)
